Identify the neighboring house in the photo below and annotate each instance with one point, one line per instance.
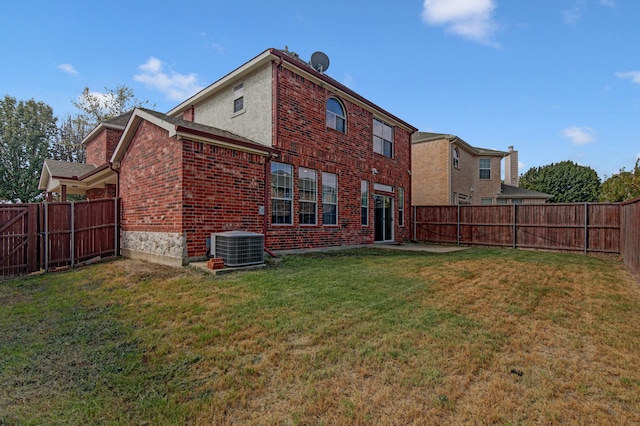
(447, 170)
(274, 147)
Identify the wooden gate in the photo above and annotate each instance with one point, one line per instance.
(18, 239)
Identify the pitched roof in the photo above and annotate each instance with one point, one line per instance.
(509, 191)
(67, 170)
(292, 61)
(177, 126)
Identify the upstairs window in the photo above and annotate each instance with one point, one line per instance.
(382, 138)
(485, 168)
(238, 98)
(456, 158)
(336, 118)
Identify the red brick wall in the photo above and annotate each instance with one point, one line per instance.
(222, 191)
(305, 141)
(109, 191)
(100, 148)
(151, 182)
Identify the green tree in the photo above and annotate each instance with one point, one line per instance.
(93, 108)
(27, 132)
(68, 145)
(622, 186)
(97, 107)
(567, 181)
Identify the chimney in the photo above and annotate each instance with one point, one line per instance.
(511, 176)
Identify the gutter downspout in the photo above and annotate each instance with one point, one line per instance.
(275, 142)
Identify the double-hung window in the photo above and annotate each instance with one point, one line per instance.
(456, 158)
(281, 193)
(485, 168)
(364, 193)
(336, 118)
(382, 138)
(307, 188)
(238, 98)
(329, 199)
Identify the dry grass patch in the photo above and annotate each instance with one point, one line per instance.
(358, 337)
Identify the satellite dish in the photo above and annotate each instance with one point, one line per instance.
(320, 61)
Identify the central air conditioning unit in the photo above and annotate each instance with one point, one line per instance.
(238, 248)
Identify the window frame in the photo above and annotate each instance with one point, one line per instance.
(364, 203)
(333, 118)
(486, 201)
(456, 158)
(400, 206)
(484, 169)
(329, 198)
(307, 197)
(278, 183)
(381, 147)
(238, 95)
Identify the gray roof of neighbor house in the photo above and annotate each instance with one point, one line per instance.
(508, 191)
(420, 137)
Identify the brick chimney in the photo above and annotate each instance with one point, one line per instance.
(511, 176)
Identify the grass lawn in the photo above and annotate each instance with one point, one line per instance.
(367, 336)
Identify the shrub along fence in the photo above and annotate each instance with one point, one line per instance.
(53, 235)
(587, 227)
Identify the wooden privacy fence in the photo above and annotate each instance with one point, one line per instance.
(630, 247)
(52, 235)
(588, 227)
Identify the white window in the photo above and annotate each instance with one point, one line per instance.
(238, 98)
(329, 199)
(485, 168)
(336, 118)
(281, 193)
(456, 158)
(382, 138)
(486, 200)
(307, 188)
(400, 206)
(364, 192)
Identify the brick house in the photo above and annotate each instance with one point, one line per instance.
(275, 147)
(447, 170)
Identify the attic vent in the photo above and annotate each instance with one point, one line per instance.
(238, 248)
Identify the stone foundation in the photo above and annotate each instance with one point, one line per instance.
(168, 248)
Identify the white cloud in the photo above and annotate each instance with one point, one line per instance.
(573, 15)
(175, 86)
(471, 19)
(68, 68)
(579, 135)
(634, 76)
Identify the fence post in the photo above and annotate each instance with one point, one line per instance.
(115, 226)
(458, 236)
(414, 222)
(72, 233)
(514, 214)
(32, 238)
(46, 237)
(586, 228)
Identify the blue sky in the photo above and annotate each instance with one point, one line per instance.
(557, 79)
